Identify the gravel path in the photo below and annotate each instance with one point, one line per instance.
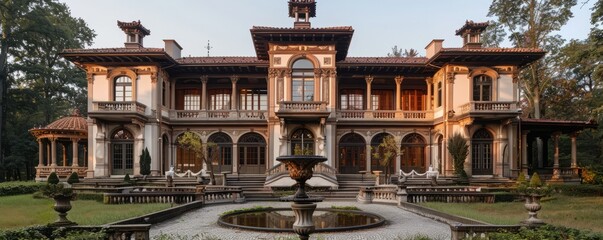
(400, 224)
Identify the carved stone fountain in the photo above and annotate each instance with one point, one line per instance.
(303, 206)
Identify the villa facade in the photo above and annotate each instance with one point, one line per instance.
(302, 90)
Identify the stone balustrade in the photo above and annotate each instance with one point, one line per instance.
(393, 115)
(42, 172)
(487, 107)
(113, 106)
(397, 194)
(186, 115)
(179, 195)
(118, 232)
(150, 197)
(302, 106)
(450, 197)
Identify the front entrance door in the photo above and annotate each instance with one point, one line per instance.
(122, 153)
(481, 153)
(252, 154)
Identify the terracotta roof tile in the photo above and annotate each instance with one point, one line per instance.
(234, 59)
(377, 60)
(494, 50)
(73, 122)
(114, 50)
(347, 28)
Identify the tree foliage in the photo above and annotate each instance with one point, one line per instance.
(207, 153)
(399, 52)
(37, 85)
(386, 152)
(145, 162)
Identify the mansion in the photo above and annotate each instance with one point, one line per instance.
(302, 90)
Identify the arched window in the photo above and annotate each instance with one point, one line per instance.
(252, 153)
(122, 152)
(223, 161)
(303, 140)
(352, 156)
(482, 88)
(302, 80)
(413, 157)
(481, 153)
(123, 89)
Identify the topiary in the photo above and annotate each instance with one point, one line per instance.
(535, 181)
(521, 179)
(145, 162)
(53, 178)
(73, 178)
(127, 178)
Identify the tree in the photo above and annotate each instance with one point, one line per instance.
(398, 52)
(411, 53)
(386, 152)
(458, 149)
(207, 153)
(145, 162)
(532, 24)
(395, 52)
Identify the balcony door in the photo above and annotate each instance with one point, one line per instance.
(122, 152)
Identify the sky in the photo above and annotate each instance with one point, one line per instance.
(378, 24)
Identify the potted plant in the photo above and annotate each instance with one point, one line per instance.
(62, 196)
(532, 191)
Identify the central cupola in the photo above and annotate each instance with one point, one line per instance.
(302, 11)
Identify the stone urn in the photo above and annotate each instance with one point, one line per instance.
(62, 204)
(301, 169)
(532, 204)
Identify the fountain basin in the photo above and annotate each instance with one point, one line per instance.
(282, 219)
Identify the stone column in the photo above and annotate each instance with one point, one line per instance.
(233, 97)
(399, 80)
(369, 80)
(235, 158)
(204, 92)
(75, 158)
(524, 152)
(53, 152)
(429, 82)
(556, 171)
(574, 164)
(368, 157)
(40, 153)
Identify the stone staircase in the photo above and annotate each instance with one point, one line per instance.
(252, 186)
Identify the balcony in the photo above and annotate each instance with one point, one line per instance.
(113, 110)
(488, 109)
(217, 115)
(300, 110)
(384, 115)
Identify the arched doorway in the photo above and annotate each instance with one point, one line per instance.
(187, 159)
(303, 140)
(223, 160)
(352, 154)
(481, 153)
(413, 157)
(122, 152)
(252, 154)
(375, 165)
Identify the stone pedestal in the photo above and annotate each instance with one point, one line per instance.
(303, 224)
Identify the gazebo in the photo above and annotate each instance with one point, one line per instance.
(60, 145)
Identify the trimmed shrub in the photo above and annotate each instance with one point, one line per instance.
(145, 162)
(53, 178)
(127, 178)
(73, 178)
(546, 232)
(582, 190)
(16, 188)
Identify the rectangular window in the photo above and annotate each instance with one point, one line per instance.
(439, 94)
(253, 99)
(412, 100)
(382, 99)
(192, 99)
(351, 99)
(219, 99)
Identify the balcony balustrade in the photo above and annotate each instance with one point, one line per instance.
(118, 107)
(384, 115)
(488, 107)
(177, 115)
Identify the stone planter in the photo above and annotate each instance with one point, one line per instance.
(62, 204)
(533, 206)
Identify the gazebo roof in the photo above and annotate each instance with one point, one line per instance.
(72, 125)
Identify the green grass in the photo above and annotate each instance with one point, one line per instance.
(23, 210)
(575, 212)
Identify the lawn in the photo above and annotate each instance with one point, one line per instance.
(575, 212)
(23, 210)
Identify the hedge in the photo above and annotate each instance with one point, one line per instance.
(582, 190)
(47, 233)
(16, 188)
(548, 232)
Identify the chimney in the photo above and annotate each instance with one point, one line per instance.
(433, 47)
(172, 48)
(135, 33)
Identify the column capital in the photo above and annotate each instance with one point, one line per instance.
(368, 79)
(450, 77)
(574, 134)
(399, 79)
(234, 79)
(429, 80)
(204, 79)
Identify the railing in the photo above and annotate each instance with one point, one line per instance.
(381, 194)
(119, 232)
(459, 232)
(179, 195)
(276, 171)
(223, 194)
(217, 115)
(113, 106)
(151, 197)
(384, 115)
(443, 189)
(44, 171)
(450, 197)
(487, 107)
(321, 168)
(296, 106)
